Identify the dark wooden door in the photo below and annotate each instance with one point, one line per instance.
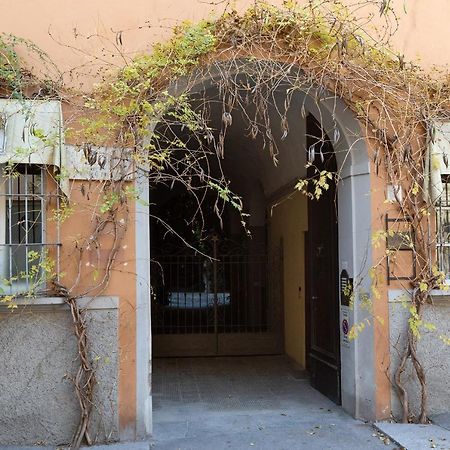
(323, 346)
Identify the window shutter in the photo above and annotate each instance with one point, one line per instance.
(439, 157)
(31, 133)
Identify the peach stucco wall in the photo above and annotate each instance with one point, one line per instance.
(76, 230)
(80, 37)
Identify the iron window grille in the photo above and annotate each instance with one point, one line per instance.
(23, 238)
(443, 228)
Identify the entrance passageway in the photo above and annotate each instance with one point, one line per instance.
(233, 307)
(247, 402)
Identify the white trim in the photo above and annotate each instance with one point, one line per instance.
(399, 295)
(440, 294)
(90, 303)
(143, 321)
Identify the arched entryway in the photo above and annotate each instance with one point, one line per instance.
(269, 288)
(287, 314)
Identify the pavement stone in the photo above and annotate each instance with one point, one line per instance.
(144, 445)
(415, 436)
(442, 420)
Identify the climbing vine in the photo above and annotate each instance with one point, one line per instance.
(320, 49)
(109, 218)
(156, 111)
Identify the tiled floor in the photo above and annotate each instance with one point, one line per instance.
(237, 383)
(247, 402)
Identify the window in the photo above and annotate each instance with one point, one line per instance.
(443, 227)
(23, 246)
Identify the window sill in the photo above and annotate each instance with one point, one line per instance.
(400, 296)
(57, 303)
(440, 296)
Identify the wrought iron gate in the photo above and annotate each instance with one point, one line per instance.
(229, 303)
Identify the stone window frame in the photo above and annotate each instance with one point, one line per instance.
(18, 190)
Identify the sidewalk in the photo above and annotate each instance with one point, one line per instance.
(416, 437)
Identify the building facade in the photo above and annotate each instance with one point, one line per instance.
(300, 286)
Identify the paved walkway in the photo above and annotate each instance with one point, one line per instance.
(248, 403)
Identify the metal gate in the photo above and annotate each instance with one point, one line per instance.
(226, 304)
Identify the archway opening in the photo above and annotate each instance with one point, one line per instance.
(271, 287)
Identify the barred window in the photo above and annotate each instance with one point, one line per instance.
(23, 246)
(443, 227)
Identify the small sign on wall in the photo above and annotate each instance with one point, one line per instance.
(345, 326)
(346, 285)
(346, 288)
